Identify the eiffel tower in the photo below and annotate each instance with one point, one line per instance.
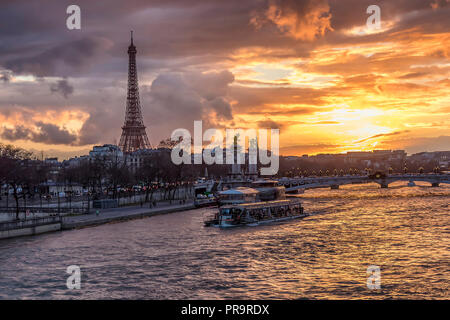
(133, 136)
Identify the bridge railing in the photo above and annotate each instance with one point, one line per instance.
(432, 178)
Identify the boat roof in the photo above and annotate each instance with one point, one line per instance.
(240, 191)
(254, 205)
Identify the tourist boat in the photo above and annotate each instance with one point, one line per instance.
(205, 201)
(203, 190)
(256, 213)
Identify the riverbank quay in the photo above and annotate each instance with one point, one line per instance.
(34, 226)
(124, 213)
(96, 217)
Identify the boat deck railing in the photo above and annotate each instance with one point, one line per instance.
(265, 204)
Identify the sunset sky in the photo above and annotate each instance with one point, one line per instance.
(311, 68)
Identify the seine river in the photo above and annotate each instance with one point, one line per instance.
(404, 231)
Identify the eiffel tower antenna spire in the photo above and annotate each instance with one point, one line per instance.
(134, 136)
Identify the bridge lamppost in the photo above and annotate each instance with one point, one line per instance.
(405, 170)
(421, 170)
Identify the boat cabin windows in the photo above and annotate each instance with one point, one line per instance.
(232, 211)
(275, 209)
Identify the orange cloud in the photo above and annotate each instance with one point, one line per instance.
(304, 20)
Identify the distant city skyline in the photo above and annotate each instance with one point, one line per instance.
(310, 156)
(310, 68)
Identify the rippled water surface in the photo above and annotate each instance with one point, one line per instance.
(404, 231)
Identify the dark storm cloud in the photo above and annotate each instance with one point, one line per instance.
(63, 87)
(18, 133)
(45, 133)
(102, 126)
(210, 85)
(271, 124)
(181, 98)
(51, 134)
(64, 59)
(221, 107)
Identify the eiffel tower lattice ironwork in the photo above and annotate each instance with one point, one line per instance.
(134, 136)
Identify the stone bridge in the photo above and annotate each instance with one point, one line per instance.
(293, 185)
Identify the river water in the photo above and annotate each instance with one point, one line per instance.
(402, 230)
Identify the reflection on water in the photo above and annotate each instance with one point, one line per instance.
(402, 230)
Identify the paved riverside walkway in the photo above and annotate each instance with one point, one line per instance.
(123, 213)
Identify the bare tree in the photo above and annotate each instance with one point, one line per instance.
(15, 170)
(117, 174)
